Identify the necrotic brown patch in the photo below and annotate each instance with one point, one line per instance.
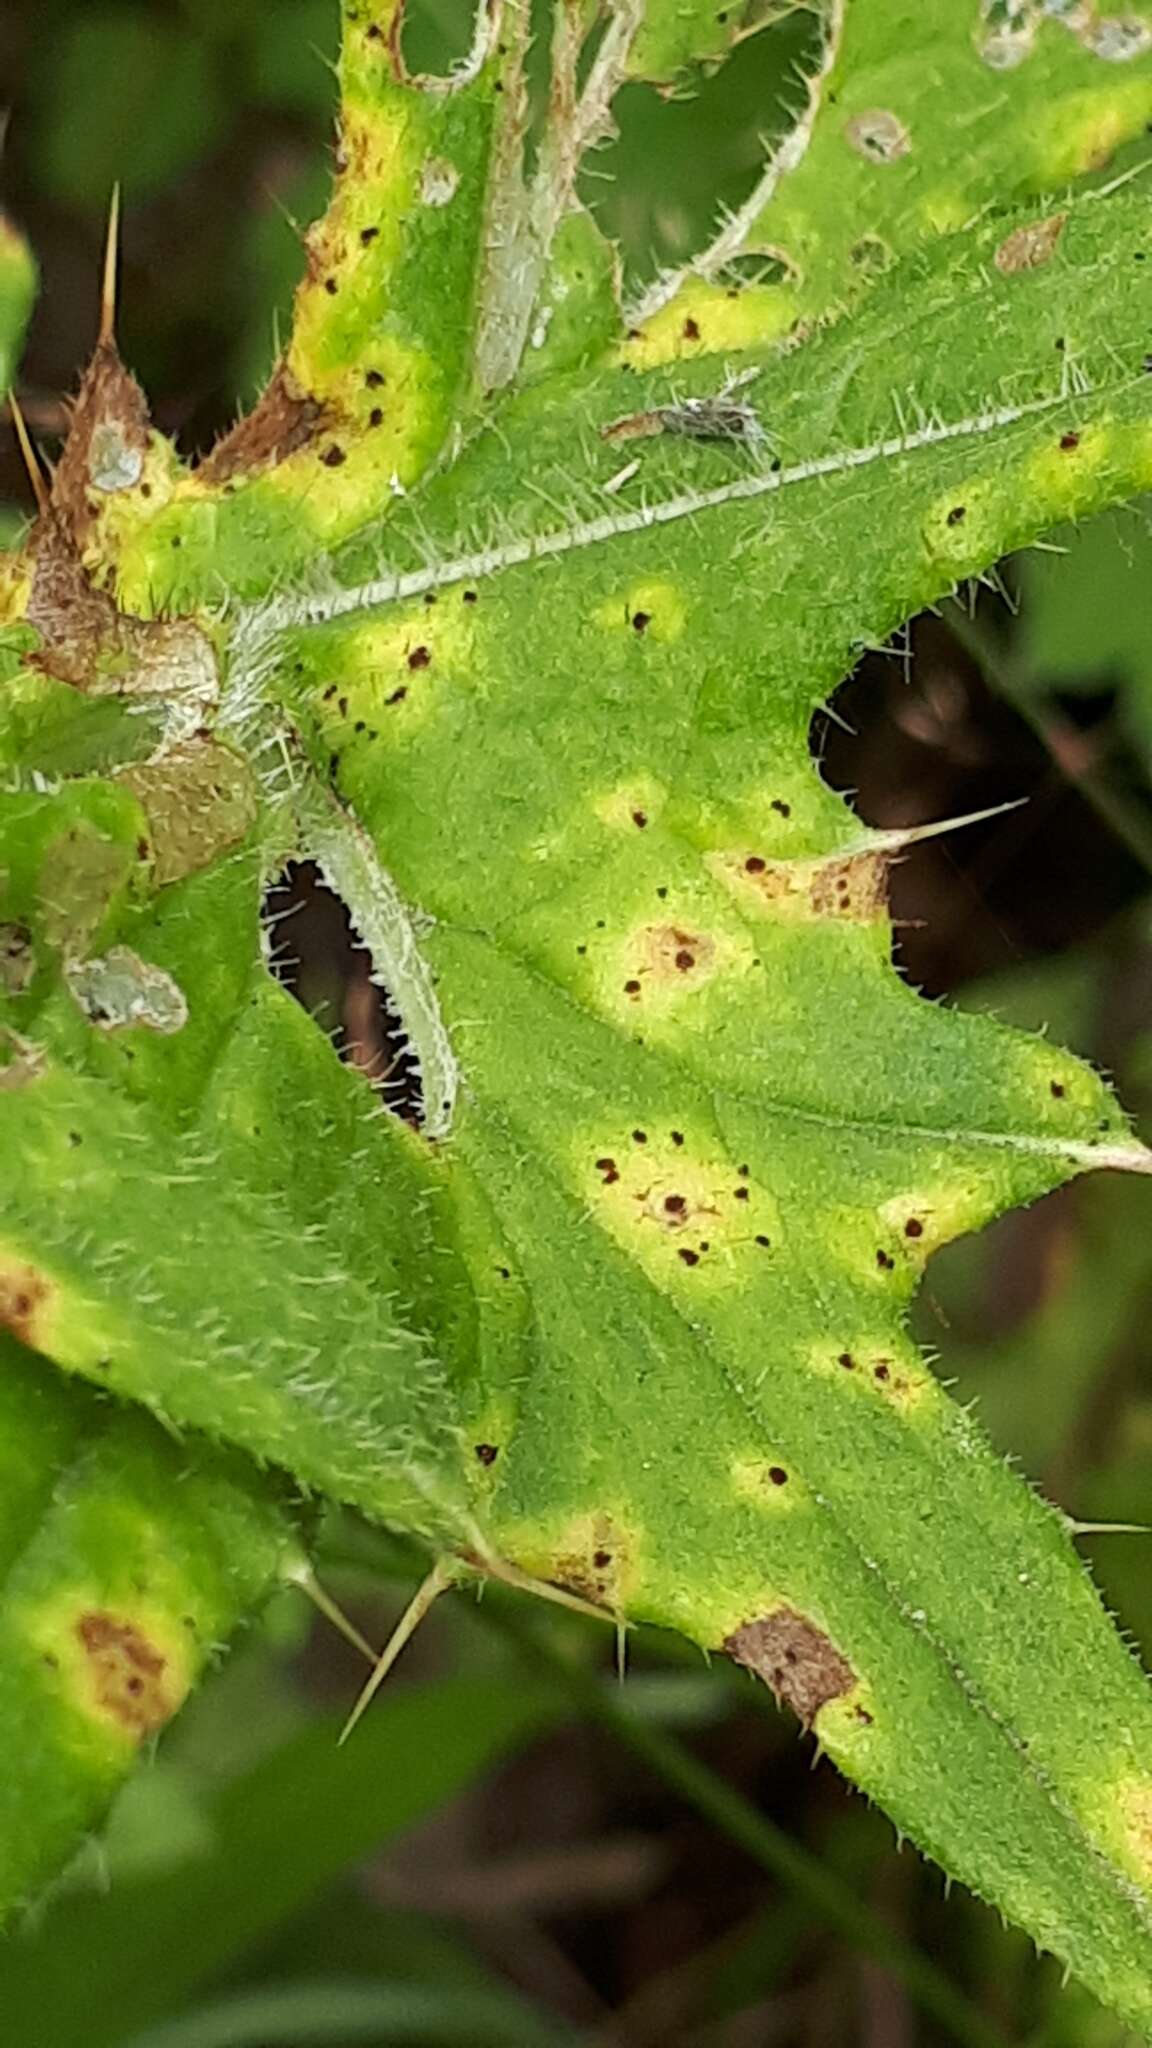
(283, 419)
(801, 1664)
(126, 1673)
(23, 1293)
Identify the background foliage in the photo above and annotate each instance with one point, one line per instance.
(563, 1894)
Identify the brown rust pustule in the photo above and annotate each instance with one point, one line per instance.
(127, 1673)
(796, 1659)
(283, 419)
(107, 442)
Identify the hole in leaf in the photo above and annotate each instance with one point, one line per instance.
(315, 953)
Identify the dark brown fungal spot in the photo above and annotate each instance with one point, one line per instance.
(641, 621)
(374, 379)
(283, 419)
(609, 1171)
(368, 235)
(602, 1559)
(677, 1137)
(639, 1137)
(913, 1227)
(777, 1475)
(1056, 1088)
(398, 695)
(420, 657)
(487, 1453)
(675, 1205)
(1069, 441)
(376, 416)
(640, 819)
(685, 959)
(689, 1257)
(847, 1361)
(957, 515)
(741, 1194)
(765, 1241)
(23, 1293)
(754, 865)
(882, 1371)
(784, 810)
(334, 457)
(471, 597)
(126, 1672)
(884, 1261)
(632, 988)
(331, 287)
(690, 330)
(796, 1659)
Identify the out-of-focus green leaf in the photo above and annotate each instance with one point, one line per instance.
(126, 1561)
(1086, 615)
(17, 290)
(135, 100)
(298, 2015)
(96, 1969)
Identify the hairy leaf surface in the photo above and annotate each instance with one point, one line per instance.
(627, 1314)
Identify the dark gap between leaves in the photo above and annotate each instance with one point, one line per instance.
(316, 955)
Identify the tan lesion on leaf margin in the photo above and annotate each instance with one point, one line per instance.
(25, 1296)
(849, 887)
(126, 1679)
(795, 1658)
(108, 442)
(284, 418)
(594, 1559)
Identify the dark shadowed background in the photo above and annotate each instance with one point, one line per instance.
(577, 1892)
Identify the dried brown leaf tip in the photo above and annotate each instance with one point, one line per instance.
(796, 1659)
(107, 442)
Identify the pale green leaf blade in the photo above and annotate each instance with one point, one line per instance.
(126, 1561)
(274, 1836)
(926, 115)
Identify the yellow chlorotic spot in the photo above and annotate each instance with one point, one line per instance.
(1065, 469)
(958, 523)
(848, 1724)
(1123, 1815)
(942, 212)
(1080, 133)
(656, 967)
(848, 886)
(919, 1221)
(649, 611)
(390, 667)
(769, 1482)
(633, 806)
(703, 318)
(683, 1216)
(879, 1364)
